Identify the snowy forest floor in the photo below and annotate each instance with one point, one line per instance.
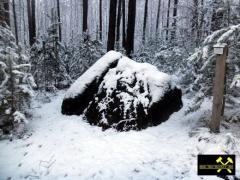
(66, 147)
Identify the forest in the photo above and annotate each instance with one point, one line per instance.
(118, 89)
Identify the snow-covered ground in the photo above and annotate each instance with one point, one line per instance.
(66, 147)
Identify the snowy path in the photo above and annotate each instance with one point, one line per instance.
(63, 147)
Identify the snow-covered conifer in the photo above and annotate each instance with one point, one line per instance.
(16, 82)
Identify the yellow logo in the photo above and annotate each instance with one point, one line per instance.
(225, 165)
(220, 164)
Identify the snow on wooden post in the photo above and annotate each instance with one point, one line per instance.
(218, 90)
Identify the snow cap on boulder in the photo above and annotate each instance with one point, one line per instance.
(92, 73)
(83, 89)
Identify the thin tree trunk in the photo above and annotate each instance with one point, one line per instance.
(228, 12)
(85, 18)
(31, 21)
(100, 19)
(217, 17)
(71, 19)
(168, 16)
(123, 25)
(145, 20)
(59, 21)
(22, 22)
(4, 12)
(15, 21)
(118, 21)
(131, 27)
(195, 25)
(158, 16)
(76, 15)
(200, 32)
(112, 25)
(7, 14)
(174, 24)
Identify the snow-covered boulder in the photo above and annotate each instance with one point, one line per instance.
(121, 93)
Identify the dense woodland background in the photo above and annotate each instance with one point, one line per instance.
(45, 45)
(122, 23)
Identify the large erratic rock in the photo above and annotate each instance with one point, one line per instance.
(121, 93)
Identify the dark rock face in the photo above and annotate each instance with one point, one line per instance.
(110, 110)
(171, 102)
(126, 96)
(76, 105)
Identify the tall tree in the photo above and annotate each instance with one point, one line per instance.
(118, 21)
(16, 83)
(123, 25)
(168, 18)
(85, 17)
(228, 6)
(31, 21)
(158, 16)
(55, 49)
(217, 15)
(100, 19)
(112, 25)
(15, 21)
(201, 22)
(4, 12)
(34, 19)
(174, 23)
(59, 21)
(72, 20)
(131, 27)
(195, 19)
(145, 20)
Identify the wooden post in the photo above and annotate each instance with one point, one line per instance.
(218, 90)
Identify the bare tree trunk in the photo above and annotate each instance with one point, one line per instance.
(15, 21)
(131, 27)
(228, 12)
(123, 25)
(59, 21)
(4, 12)
(75, 14)
(85, 18)
(217, 17)
(71, 19)
(200, 32)
(145, 20)
(118, 21)
(112, 25)
(168, 16)
(158, 16)
(31, 21)
(25, 37)
(174, 24)
(195, 25)
(100, 19)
